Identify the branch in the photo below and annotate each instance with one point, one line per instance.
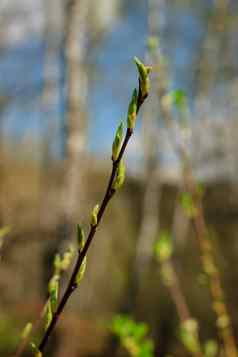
(134, 107)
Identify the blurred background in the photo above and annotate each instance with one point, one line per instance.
(66, 76)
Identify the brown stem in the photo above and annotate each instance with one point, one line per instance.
(216, 289)
(72, 285)
(179, 300)
(208, 261)
(207, 256)
(176, 292)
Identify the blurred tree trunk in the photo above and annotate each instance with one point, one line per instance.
(76, 81)
(84, 21)
(49, 105)
(76, 96)
(51, 75)
(73, 44)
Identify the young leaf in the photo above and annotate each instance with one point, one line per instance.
(81, 272)
(142, 69)
(120, 176)
(143, 77)
(94, 215)
(116, 146)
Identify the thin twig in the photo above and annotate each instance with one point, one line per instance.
(206, 250)
(72, 285)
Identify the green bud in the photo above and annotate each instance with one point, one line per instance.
(132, 111)
(163, 247)
(35, 350)
(143, 76)
(94, 215)
(26, 331)
(81, 272)
(142, 69)
(116, 146)
(53, 289)
(80, 237)
(120, 176)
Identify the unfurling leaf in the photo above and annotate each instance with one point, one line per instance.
(81, 272)
(143, 77)
(116, 146)
(142, 69)
(94, 215)
(120, 176)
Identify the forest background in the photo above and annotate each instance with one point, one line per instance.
(66, 74)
